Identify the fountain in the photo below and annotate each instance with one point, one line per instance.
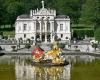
(52, 57)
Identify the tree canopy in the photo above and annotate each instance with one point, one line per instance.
(10, 9)
(80, 11)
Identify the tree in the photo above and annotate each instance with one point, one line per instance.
(2, 11)
(14, 9)
(88, 12)
(68, 7)
(85, 11)
(97, 14)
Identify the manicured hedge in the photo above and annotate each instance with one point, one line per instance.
(97, 34)
(82, 32)
(7, 29)
(1, 33)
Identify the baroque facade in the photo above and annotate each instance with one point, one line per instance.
(42, 24)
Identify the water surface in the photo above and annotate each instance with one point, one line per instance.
(22, 69)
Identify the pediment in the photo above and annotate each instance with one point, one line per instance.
(43, 11)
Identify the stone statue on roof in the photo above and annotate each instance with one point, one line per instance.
(42, 3)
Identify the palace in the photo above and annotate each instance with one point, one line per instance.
(42, 25)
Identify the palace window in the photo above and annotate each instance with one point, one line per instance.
(61, 35)
(48, 26)
(42, 25)
(48, 17)
(37, 25)
(42, 17)
(24, 27)
(37, 17)
(61, 27)
(24, 35)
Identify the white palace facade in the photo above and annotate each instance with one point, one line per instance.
(42, 24)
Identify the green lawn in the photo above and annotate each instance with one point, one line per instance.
(7, 72)
(86, 71)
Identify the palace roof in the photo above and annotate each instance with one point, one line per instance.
(24, 16)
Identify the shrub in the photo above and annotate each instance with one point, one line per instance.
(76, 47)
(56, 38)
(61, 45)
(95, 45)
(13, 48)
(27, 45)
(28, 40)
(1, 33)
(0, 48)
(6, 37)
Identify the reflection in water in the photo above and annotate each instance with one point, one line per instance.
(25, 71)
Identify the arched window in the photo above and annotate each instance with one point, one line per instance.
(61, 35)
(61, 27)
(48, 26)
(24, 35)
(42, 25)
(37, 25)
(24, 27)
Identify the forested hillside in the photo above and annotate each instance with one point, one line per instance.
(84, 12)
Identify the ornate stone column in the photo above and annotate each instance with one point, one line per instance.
(40, 30)
(52, 31)
(35, 30)
(45, 31)
(51, 37)
(45, 26)
(50, 26)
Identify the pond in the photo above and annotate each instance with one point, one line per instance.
(19, 68)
